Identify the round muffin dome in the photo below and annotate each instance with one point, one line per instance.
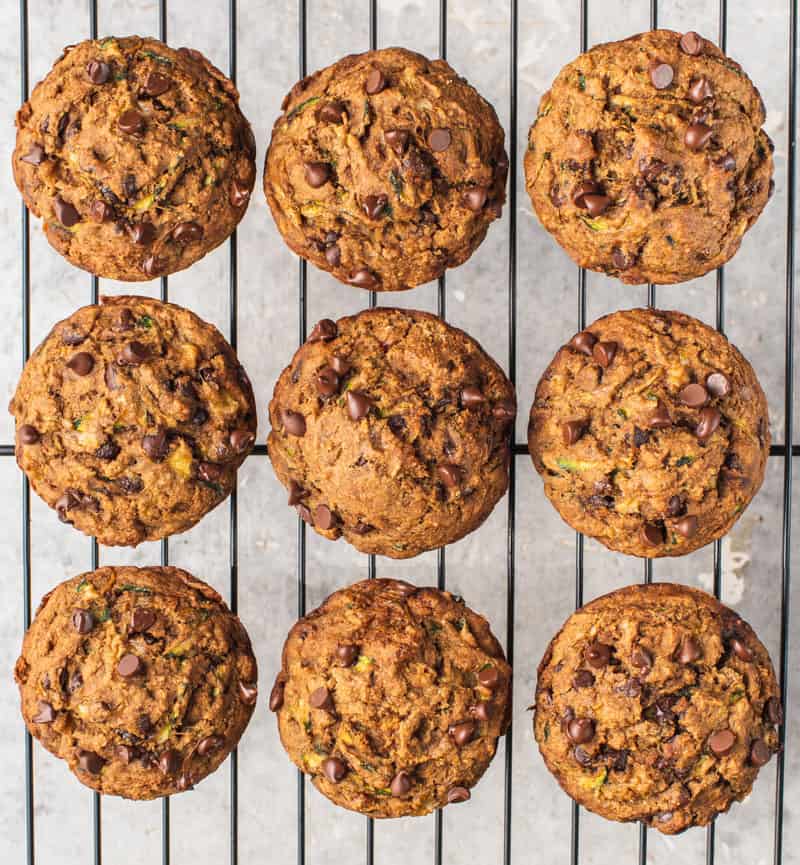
(647, 160)
(657, 703)
(136, 157)
(385, 169)
(141, 679)
(390, 429)
(392, 698)
(132, 418)
(651, 433)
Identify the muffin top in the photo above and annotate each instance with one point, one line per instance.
(132, 418)
(135, 155)
(140, 678)
(647, 159)
(385, 169)
(392, 698)
(651, 432)
(657, 703)
(390, 429)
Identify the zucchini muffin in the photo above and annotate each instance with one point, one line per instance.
(385, 169)
(657, 703)
(136, 157)
(651, 433)
(392, 698)
(390, 429)
(141, 679)
(647, 159)
(132, 418)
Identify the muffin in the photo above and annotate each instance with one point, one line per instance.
(132, 418)
(140, 678)
(392, 698)
(135, 156)
(647, 160)
(385, 169)
(657, 703)
(651, 433)
(390, 429)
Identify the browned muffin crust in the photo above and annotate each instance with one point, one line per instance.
(390, 429)
(657, 703)
(385, 169)
(651, 433)
(135, 155)
(132, 418)
(647, 160)
(141, 679)
(392, 698)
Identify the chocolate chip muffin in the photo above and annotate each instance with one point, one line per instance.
(647, 160)
(132, 418)
(385, 169)
(140, 678)
(390, 429)
(392, 698)
(651, 433)
(136, 157)
(657, 703)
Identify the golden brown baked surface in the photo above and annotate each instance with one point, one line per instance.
(135, 155)
(647, 160)
(657, 703)
(385, 169)
(392, 698)
(140, 678)
(651, 433)
(132, 418)
(390, 429)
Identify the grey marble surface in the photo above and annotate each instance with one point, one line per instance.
(478, 34)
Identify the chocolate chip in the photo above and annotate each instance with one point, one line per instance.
(597, 655)
(603, 353)
(331, 112)
(659, 418)
(718, 384)
(142, 233)
(376, 81)
(82, 621)
(689, 650)
(740, 650)
(327, 382)
(482, 711)
(125, 754)
(276, 695)
(66, 214)
(676, 506)
(363, 278)
(583, 679)
(504, 410)
(46, 713)
(582, 756)
(472, 397)
(773, 711)
(293, 422)
(726, 162)
(131, 122)
(347, 653)
(691, 43)
(580, 730)
(700, 89)
(489, 677)
(169, 762)
(374, 206)
(401, 784)
(239, 193)
(571, 431)
(321, 699)
(449, 474)
(661, 74)
(155, 445)
(187, 232)
(687, 527)
(334, 769)
(75, 682)
(296, 493)
(475, 197)
(134, 354)
(66, 502)
(397, 139)
(722, 742)
(760, 753)
(317, 173)
(631, 688)
(323, 330)
(439, 140)
(587, 187)
(152, 266)
(248, 692)
(242, 439)
(98, 72)
(90, 762)
(210, 472)
(697, 136)
(694, 395)
(324, 518)
(641, 658)
(455, 795)
(209, 745)
(462, 733)
(142, 619)
(129, 665)
(27, 434)
(100, 211)
(621, 259)
(583, 342)
(35, 156)
(333, 255)
(652, 535)
(156, 84)
(81, 363)
(596, 204)
(708, 424)
(358, 405)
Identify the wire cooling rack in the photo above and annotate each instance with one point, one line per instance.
(781, 451)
